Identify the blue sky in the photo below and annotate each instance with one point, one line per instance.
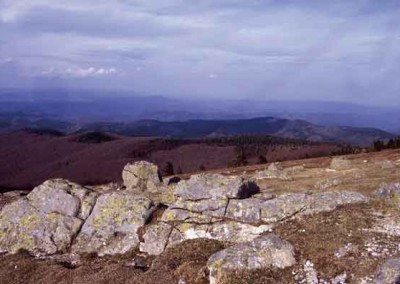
(314, 50)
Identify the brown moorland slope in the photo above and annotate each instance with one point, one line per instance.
(28, 159)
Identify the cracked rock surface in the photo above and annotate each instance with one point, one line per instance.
(112, 226)
(47, 220)
(263, 252)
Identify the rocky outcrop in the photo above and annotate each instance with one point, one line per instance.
(141, 177)
(112, 227)
(255, 210)
(200, 211)
(263, 252)
(229, 209)
(60, 216)
(47, 220)
(389, 272)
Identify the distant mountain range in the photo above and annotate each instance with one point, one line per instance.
(78, 111)
(294, 129)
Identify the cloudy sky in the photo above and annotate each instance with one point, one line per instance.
(261, 49)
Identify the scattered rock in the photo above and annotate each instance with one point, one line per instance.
(112, 226)
(141, 261)
(340, 163)
(329, 183)
(340, 279)
(386, 164)
(389, 272)
(294, 170)
(388, 190)
(274, 171)
(345, 250)
(311, 275)
(263, 252)
(141, 177)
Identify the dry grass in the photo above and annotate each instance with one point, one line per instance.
(186, 261)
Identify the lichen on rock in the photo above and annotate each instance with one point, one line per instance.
(112, 226)
(263, 252)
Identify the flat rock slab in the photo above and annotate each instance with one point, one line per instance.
(263, 252)
(162, 235)
(256, 211)
(215, 186)
(112, 226)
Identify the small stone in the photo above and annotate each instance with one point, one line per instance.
(389, 272)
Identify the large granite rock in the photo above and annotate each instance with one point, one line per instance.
(263, 252)
(200, 187)
(47, 220)
(142, 177)
(112, 226)
(389, 272)
(63, 197)
(207, 196)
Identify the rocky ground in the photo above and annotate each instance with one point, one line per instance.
(308, 221)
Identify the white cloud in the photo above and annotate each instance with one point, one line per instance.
(78, 72)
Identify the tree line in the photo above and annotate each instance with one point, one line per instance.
(393, 143)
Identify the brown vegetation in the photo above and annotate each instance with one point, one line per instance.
(28, 159)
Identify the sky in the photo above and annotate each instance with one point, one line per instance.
(335, 50)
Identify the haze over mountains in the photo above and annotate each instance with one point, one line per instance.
(78, 111)
(92, 106)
